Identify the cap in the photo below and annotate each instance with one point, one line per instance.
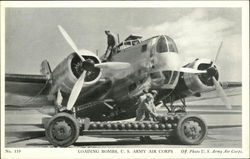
(107, 31)
(154, 92)
(145, 90)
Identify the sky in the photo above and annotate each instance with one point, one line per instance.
(32, 34)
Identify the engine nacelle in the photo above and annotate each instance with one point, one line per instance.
(70, 69)
(197, 83)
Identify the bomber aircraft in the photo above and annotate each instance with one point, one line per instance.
(86, 87)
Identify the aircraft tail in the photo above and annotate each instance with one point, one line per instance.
(45, 68)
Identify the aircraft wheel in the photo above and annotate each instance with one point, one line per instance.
(63, 130)
(191, 130)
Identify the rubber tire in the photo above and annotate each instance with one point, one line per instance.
(180, 130)
(71, 121)
(145, 139)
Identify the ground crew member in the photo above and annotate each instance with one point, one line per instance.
(142, 96)
(144, 112)
(148, 116)
(145, 109)
(111, 40)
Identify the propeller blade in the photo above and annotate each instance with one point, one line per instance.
(70, 41)
(114, 65)
(190, 70)
(76, 91)
(218, 52)
(221, 93)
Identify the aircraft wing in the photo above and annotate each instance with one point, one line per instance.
(20, 87)
(24, 84)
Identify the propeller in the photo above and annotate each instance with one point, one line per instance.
(114, 65)
(212, 72)
(190, 70)
(218, 52)
(221, 93)
(88, 65)
(76, 91)
(218, 87)
(70, 41)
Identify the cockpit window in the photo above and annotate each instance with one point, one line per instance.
(162, 45)
(174, 77)
(167, 75)
(171, 45)
(155, 75)
(127, 43)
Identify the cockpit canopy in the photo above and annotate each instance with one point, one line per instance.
(131, 40)
(166, 44)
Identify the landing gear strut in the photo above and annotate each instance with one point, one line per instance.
(176, 108)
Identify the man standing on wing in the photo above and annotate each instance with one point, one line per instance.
(111, 44)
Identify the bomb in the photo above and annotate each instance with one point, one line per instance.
(148, 126)
(107, 126)
(121, 126)
(92, 126)
(162, 126)
(171, 118)
(174, 125)
(165, 119)
(114, 126)
(168, 126)
(100, 126)
(160, 118)
(155, 126)
(177, 118)
(141, 126)
(128, 126)
(134, 126)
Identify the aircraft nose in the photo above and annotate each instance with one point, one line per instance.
(168, 61)
(166, 70)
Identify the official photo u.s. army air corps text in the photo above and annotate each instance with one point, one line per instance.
(125, 78)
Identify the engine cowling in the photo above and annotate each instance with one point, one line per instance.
(70, 69)
(197, 83)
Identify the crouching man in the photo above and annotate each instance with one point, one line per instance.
(146, 109)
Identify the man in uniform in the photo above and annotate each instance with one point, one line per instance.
(152, 107)
(146, 109)
(111, 44)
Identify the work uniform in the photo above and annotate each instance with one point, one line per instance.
(146, 109)
(111, 44)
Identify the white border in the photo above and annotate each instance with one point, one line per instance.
(72, 152)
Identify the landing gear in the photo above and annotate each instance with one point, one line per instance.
(175, 108)
(62, 130)
(191, 130)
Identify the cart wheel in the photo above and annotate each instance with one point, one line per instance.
(62, 130)
(191, 130)
(145, 139)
